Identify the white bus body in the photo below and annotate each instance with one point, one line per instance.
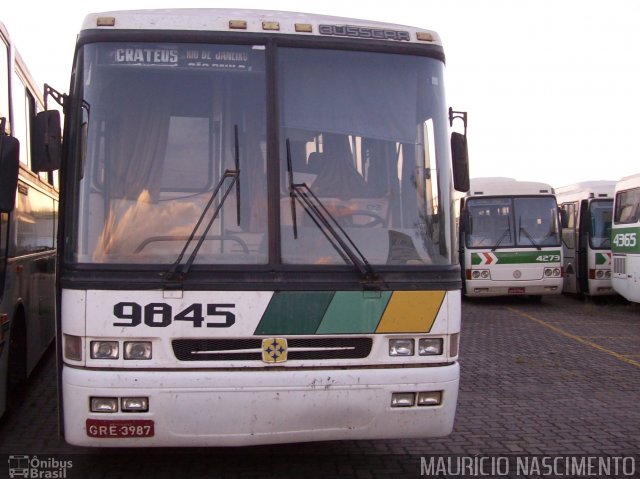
(27, 233)
(318, 297)
(586, 236)
(625, 238)
(510, 239)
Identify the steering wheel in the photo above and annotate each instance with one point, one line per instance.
(375, 219)
(154, 239)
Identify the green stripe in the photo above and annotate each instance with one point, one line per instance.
(354, 312)
(294, 312)
(520, 257)
(625, 240)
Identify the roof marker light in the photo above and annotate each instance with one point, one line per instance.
(237, 24)
(424, 36)
(304, 28)
(271, 25)
(106, 21)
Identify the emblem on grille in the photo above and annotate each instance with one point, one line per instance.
(274, 350)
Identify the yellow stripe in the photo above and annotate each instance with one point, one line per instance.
(411, 312)
(580, 339)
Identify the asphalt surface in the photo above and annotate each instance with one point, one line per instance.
(556, 378)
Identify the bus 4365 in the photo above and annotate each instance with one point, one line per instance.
(625, 238)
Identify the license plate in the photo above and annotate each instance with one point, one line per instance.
(119, 428)
(516, 290)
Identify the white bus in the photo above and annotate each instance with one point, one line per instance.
(625, 238)
(28, 206)
(258, 239)
(586, 236)
(510, 239)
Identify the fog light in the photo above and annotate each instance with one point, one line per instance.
(430, 346)
(72, 347)
(105, 350)
(430, 398)
(137, 350)
(401, 347)
(403, 399)
(140, 404)
(99, 404)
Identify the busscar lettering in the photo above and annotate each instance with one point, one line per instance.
(364, 32)
(146, 55)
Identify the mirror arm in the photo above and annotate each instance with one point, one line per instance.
(461, 115)
(60, 98)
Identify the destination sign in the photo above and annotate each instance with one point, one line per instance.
(217, 57)
(364, 32)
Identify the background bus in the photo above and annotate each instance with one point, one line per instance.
(258, 233)
(509, 239)
(625, 235)
(586, 236)
(27, 228)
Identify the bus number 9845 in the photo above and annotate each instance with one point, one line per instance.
(160, 315)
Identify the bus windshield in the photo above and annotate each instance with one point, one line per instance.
(163, 123)
(161, 126)
(366, 138)
(600, 213)
(512, 222)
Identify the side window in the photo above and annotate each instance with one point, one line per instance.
(4, 240)
(627, 206)
(4, 82)
(21, 119)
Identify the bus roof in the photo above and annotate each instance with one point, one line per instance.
(499, 186)
(632, 181)
(586, 189)
(257, 21)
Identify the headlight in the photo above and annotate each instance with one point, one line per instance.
(475, 274)
(137, 350)
(430, 346)
(105, 350)
(401, 347)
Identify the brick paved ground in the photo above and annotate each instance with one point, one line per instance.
(558, 377)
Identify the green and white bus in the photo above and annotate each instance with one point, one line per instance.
(587, 209)
(510, 239)
(257, 231)
(28, 215)
(625, 238)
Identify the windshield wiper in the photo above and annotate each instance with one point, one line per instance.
(324, 220)
(234, 175)
(524, 230)
(504, 234)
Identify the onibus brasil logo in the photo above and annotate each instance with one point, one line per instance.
(34, 467)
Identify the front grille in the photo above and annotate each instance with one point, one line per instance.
(250, 349)
(619, 265)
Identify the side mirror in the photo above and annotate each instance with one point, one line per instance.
(47, 142)
(9, 166)
(564, 218)
(460, 157)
